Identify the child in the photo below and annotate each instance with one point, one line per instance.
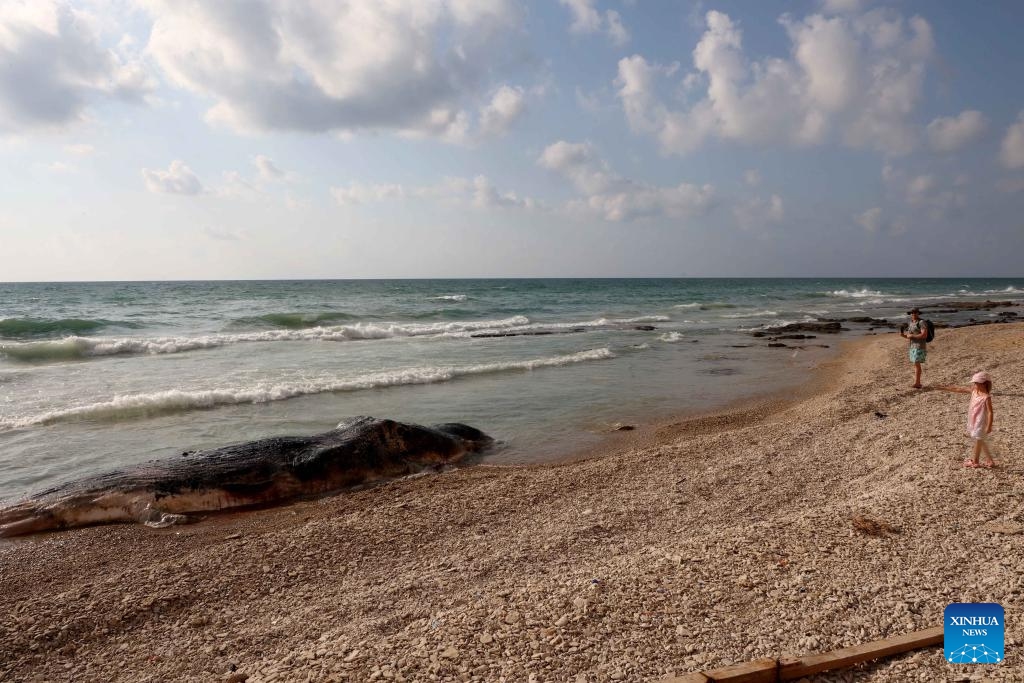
(979, 416)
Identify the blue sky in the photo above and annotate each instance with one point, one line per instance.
(183, 139)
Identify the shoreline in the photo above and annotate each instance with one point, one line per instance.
(154, 405)
(703, 541)
(755, 405)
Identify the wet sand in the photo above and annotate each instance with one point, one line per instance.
(698, 543)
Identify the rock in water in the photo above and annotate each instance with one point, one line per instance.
(263, 472)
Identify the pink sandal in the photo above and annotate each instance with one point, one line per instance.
(970, 463)
(990, 465)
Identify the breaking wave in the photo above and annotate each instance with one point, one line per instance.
(71, 348)
(80, 348)
(855, 293)
(705, 306)
(176, 400)
(596, 323)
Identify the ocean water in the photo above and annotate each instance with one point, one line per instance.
(97, 375)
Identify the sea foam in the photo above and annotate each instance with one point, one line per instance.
(71, 348)
(177, 400)
(856, 293)
(78, 348)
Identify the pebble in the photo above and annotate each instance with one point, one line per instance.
(701, 560)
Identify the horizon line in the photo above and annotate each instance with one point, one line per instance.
(516, 277)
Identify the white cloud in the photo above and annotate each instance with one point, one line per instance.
(586, 19)
(934, 195)
(295, 203)
(752, 177)
(579, 163)
(948, 134)
(588, 102)
(405, 66)
(860, 76)
(58, 167)
(892, 176)
(177, 179)
(758, 212)
(360, 193)
(918, 188)
(485, 195)
(506, 106)
(645, 201)
(871, 220)
(53, 66)
(618, 33)
(614, 198)
(235, 186)
(1011, 153)
(268, 170)
(874, 221)
(898, 226)
(477, 192)
(80, 150)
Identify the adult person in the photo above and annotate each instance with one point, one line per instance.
(917, 333)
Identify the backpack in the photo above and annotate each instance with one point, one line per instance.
(930, 329)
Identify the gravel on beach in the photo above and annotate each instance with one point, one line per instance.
(798, 525)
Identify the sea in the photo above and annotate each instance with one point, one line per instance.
(98, 375)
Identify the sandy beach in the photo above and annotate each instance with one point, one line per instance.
(707, 541)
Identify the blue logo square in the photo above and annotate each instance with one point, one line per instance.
(973, 633)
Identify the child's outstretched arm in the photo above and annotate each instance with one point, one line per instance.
(956, 390)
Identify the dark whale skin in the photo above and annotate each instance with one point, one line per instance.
(262, 472)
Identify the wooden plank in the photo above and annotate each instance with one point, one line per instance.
(798, 667)
(757, 671)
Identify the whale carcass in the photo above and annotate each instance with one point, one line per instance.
(267, 471)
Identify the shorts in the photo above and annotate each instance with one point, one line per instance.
(918, 354)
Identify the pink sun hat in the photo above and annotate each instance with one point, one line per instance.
(981, 377)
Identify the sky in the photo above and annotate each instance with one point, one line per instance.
(266, 139)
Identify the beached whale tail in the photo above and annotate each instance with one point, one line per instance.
(263, 472)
